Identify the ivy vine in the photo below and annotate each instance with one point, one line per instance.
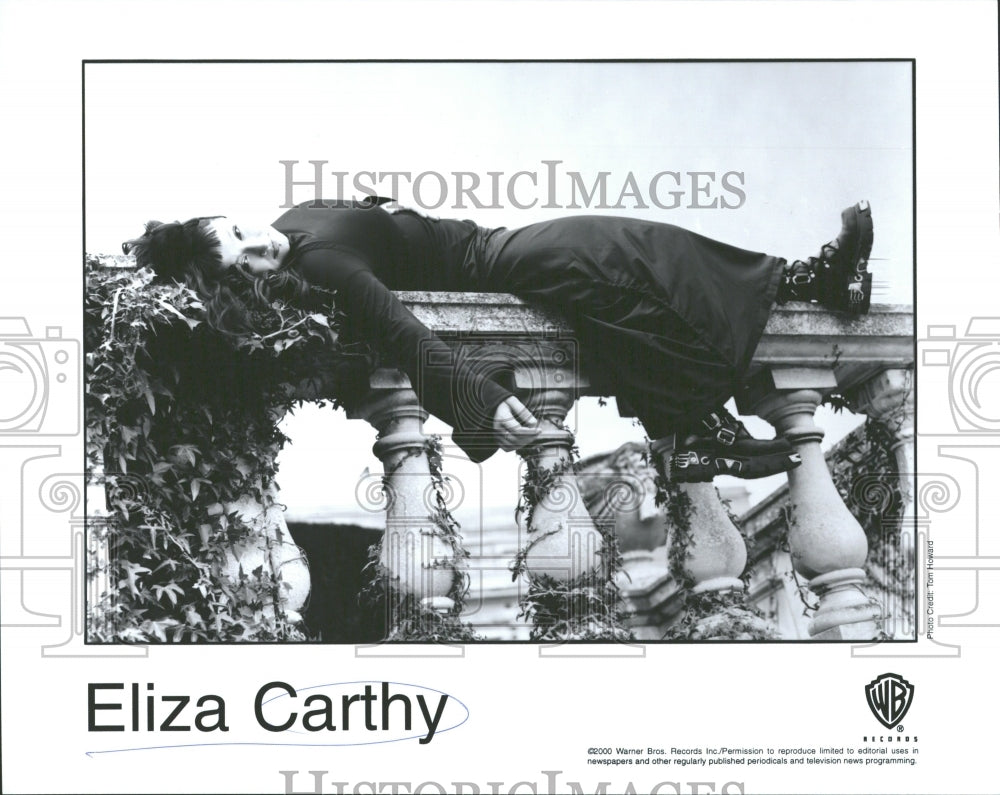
(588, 607)
(180, 421)
(707, 615)
(867, 477)
(408, 617)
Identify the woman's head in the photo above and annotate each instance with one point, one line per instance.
(253, 247)
(203, 250)
(233, 265)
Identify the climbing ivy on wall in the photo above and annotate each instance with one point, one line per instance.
(705, 616)
(180, 421)
(865, 473)
(588, 607)
(408, 619)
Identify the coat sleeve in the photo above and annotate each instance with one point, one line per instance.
(446, 387)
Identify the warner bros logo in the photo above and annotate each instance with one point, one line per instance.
(889, 697)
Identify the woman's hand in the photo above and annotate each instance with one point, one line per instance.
(513, 425)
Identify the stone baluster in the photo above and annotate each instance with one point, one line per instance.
(270, 547)
(827, 544)
(888, 399)
(415, 555)
(715, 555)
(562, 541)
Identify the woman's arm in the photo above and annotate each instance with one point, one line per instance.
(475, 406)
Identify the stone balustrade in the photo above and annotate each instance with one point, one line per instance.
(806, 354)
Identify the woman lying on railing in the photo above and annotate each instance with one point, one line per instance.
(666, 319)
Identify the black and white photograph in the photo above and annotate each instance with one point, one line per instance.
(541, 397)
(563, 271)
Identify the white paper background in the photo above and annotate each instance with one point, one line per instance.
(805, 157)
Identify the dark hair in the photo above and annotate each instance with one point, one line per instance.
(178, 251)
(189, 252)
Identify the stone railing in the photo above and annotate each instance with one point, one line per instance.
(806, 355)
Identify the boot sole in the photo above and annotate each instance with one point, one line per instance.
(854, 282)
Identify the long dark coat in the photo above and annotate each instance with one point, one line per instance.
(667, 317)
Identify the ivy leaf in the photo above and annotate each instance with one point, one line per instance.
(184, 452)
(175, 311)
(171, 589)
(321, 319)
(132, 572)
(157, 629)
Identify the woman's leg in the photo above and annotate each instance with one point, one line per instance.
(838, 278)
(719, 444)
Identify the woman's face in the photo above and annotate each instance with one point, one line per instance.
(253, 247)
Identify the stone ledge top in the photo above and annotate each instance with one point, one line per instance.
(498, 313)
(797, 335)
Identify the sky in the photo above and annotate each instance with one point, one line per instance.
(766, 154)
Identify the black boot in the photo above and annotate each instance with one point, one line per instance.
(838, 278)
(721, 445)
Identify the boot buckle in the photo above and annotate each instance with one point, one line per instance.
(712, 422)
(726, 436)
